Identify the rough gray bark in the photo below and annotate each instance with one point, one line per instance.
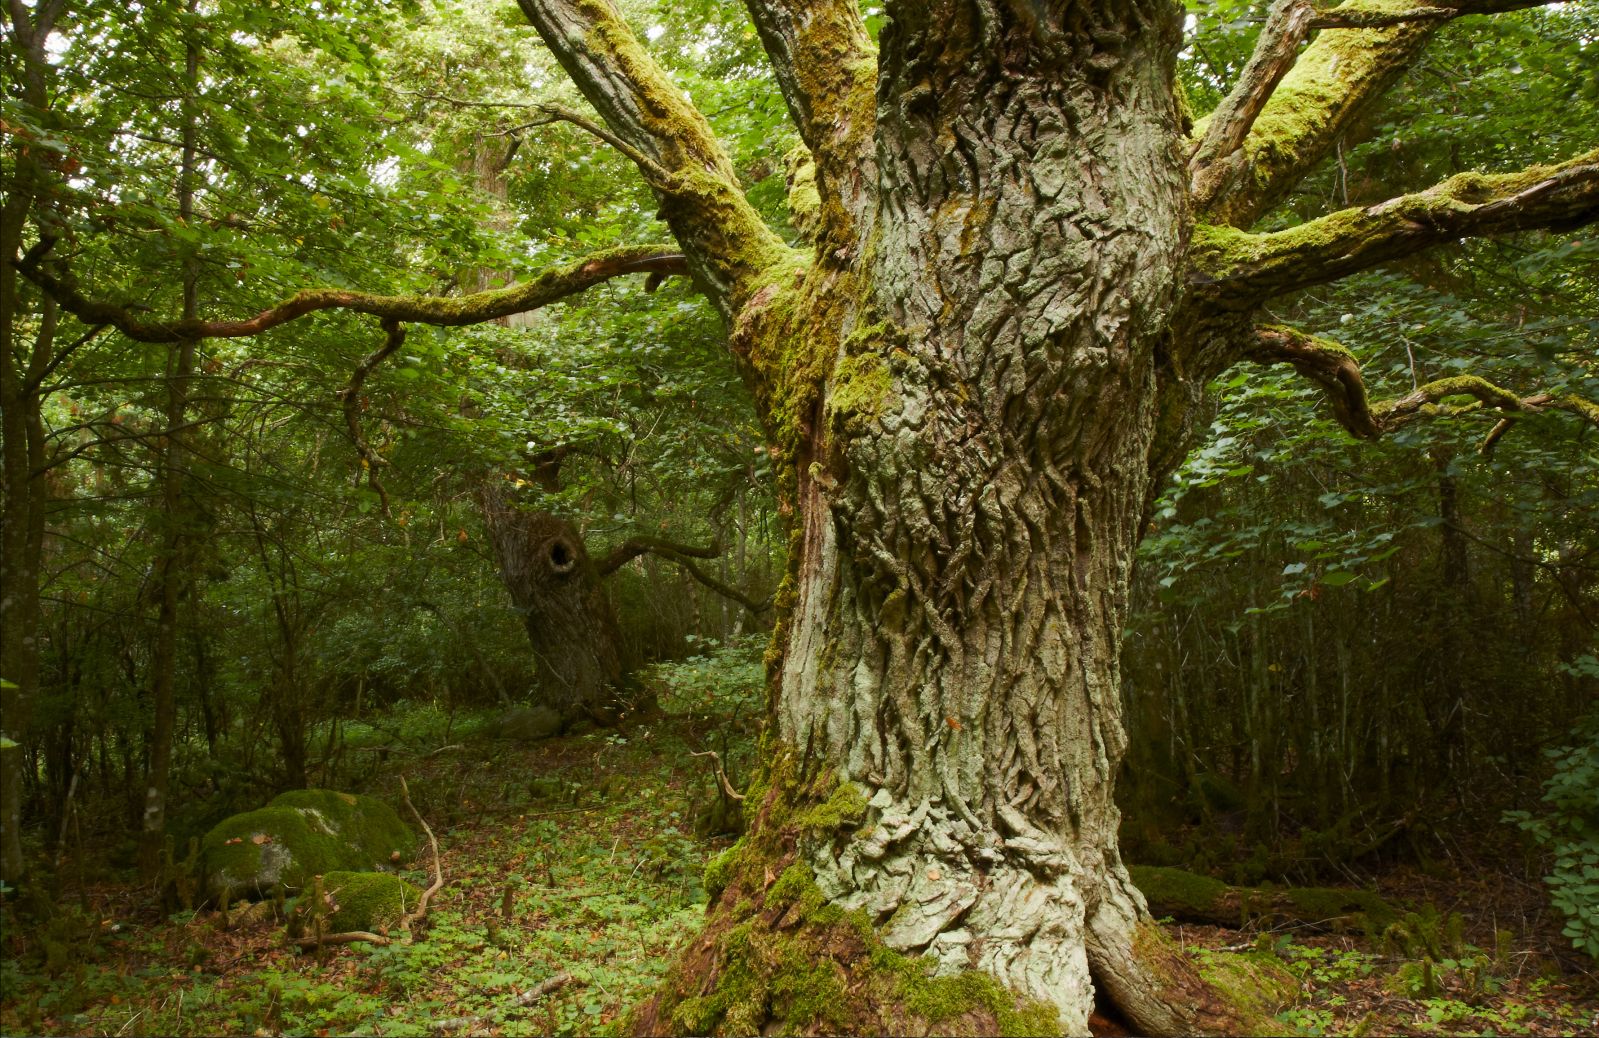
(969, 531)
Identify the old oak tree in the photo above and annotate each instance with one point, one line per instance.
(1024, 264)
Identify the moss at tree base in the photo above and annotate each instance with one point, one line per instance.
(776, 958)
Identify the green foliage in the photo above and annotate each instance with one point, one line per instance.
(1568, 826)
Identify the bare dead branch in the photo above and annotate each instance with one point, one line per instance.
(654, 173)
(438, 868)
(344, 937)
(727, 787)
(680, 554)
(633, 547)
(447, 311)
(1239, 270)
(523, 1000)
(754, 605)
(350, 400)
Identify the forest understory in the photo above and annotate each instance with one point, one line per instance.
(572, 872)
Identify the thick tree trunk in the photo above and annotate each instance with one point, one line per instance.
(570, 623)
(971, 481)
(962, 593)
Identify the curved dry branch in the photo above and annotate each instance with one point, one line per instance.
(1235, 269)
(476, 308)
(1336, 371)
(633, 547)
(680, 554)
(727, 242)
(1367, 46)
(421, 911)
(826, 66)
(350, 401)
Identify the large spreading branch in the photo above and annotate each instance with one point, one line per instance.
(679, 554)
(1235, 269)
(1290, 108)
(826, 66)
(1337, 373)
(477, 308)
(727, 243)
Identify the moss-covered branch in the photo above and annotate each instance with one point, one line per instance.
(1335, 370)
(1288, 24)
(727, 243)
(1239, 270)
(1192, 898)
(477, 308)
(826, 65)
(1325, 363)
(1365, 47)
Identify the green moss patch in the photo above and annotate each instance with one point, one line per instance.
(300, 834)
(1257, 985)
(371, 901)
(777, 958)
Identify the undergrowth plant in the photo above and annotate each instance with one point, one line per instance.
(1569, 826)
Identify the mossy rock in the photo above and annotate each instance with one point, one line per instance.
(528, 724)
(369, 901)
(300, 834)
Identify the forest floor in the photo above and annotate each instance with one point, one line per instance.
(574, 861)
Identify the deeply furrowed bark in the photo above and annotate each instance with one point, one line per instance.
(970, 477)
(962, 591)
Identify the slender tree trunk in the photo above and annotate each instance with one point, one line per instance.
(172, 569)
(21, 440)
(21, 545)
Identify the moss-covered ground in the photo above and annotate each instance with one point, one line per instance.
(579, 855)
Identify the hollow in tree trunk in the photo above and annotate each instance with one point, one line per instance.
(570, 622)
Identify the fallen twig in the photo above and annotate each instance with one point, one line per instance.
(525, 999)
(347, 937)
(438, 869)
